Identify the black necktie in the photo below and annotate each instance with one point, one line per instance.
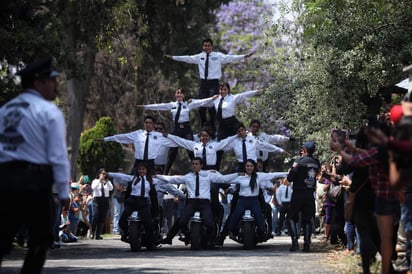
(287, 190)
(102, 189)
(244, 153)
(179, 109)
(204, 155)
(197, 184)
(219, 109)
(207, 66)
(146, 148)
(142, 190)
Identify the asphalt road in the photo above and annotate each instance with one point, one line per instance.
(113, 256)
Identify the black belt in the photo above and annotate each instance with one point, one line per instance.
(187, 124)
(138, 197)
(23, 165)
(228, 119)
(209, 80)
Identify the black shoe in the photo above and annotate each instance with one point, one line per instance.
(165, 241)
(99, 238)
(294, 247)
(306, 248)
(152, 247)
(124, 238)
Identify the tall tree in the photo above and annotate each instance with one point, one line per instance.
(343, 56)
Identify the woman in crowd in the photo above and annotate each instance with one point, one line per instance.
(101, 187)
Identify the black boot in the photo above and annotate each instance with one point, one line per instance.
(170, 235)
(306, 236)
(222, 236)
(34, 260)
(293, 235)
(99, 229)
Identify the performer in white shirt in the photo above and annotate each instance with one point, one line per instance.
(254, 130)
(210, 71)
(180, 110)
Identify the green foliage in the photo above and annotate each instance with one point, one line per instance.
(342, 57)
(93, 154)
(8, 87)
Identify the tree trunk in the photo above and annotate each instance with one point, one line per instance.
(78, 91)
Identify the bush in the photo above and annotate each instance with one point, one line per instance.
(94, 155)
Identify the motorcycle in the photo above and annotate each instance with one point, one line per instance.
(137, 233)
(197, 235)
(247, 233)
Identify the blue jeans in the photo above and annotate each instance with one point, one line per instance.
(118, 208)
(349, 230)
(275, 215)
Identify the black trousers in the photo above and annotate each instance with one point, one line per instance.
(202, 205)
(283, 211)
(302, 201)
(28, 188)
(143, 206)
(182, 130)
(207, 89)
(227, 127)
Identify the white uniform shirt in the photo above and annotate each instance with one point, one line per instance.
(138, 138)
(230, 101)
(97, 188)
(272, 139)
(185, 109)
(197, 147)
(160, 185)
(33, 129)
(216, 59)
(205, 179)
(252, 145)
(243, 182)
(161, 159)
(281, 194)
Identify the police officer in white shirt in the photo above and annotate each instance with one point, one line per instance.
(274, 139)
(33, 158)
(245, 147)
(198, 191)
(210, 72)
(147, 143)
(180, 113)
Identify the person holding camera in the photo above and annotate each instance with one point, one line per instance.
(101, 187)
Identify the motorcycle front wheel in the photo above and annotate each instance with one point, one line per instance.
(196, 236)
(248, 235)
(135, 236)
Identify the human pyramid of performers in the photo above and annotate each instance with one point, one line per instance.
(251, 187)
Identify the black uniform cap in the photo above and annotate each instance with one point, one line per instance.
(40, 69)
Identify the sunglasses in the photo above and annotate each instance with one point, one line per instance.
(158, 128)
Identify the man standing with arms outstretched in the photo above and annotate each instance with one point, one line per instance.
(210, 72)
